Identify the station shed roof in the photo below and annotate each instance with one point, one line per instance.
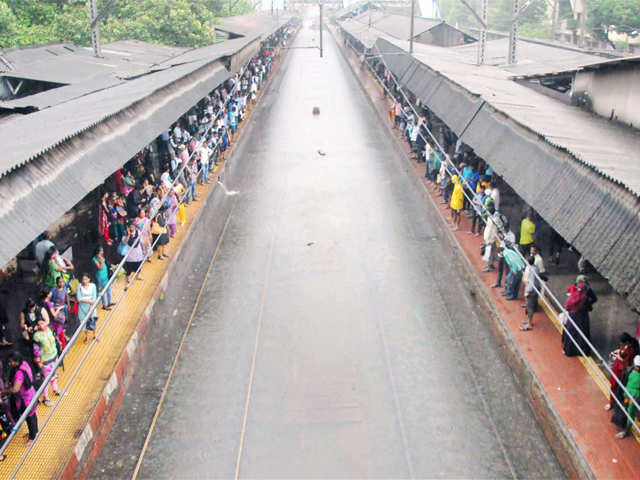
(579, 171)
(60, 144)
(255, 24)
(533, 56)
(588, 66)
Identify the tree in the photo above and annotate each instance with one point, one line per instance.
(7, 25)
(188, 23)
(624, 15)
(455, 13)
(501, 11)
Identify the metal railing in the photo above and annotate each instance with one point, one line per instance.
(543, 291)
(29, 408)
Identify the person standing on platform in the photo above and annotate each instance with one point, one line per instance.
(87, 294)
(527, 232)
(531, 287)
(457, 202)
(48, 353)
(22, 392)
(633, 389)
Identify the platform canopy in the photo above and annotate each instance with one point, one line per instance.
(580, 172)
(61, 143)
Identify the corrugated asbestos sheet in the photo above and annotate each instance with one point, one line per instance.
(61, 122)
(396, 25)
(52, 97)
(47, 187)
(257, 24)
(532, 57)
(545, 164)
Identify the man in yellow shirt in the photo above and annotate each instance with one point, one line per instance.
(527, 233)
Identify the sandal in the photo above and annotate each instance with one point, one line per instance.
(525, 329)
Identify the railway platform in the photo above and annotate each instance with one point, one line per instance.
(567, 397)
(96, 375)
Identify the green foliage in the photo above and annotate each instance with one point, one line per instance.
(455, 13)
(500, 13)
(7, 25)
(624, 14)
(535, 30)
(187, 23)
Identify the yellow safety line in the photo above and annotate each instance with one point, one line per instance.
(56, 443)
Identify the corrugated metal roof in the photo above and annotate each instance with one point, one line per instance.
(63, 63)
(398, 26)
(142, 52)
(607, 147)
(594, 65)
(215, 51)
(55, 96)
(256, 24)
(532, 57)
(131, 116)
(580, 172)
(26, 137)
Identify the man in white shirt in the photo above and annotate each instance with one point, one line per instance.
(204, 153)
(490, 238)
(42, 247)
(495, 194)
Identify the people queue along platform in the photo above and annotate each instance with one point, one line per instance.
(468, 186)
(140, 209)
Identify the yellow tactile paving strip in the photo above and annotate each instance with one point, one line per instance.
(56, 443)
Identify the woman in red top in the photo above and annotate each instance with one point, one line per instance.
(622, 359)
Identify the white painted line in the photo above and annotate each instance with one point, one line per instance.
(83, 441)
(132, 345)
(109, 388)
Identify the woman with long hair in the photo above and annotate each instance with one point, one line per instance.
(60, 309)
(87, 294)
(142, 224)
(103, 218)
(134, 252)
(159, 235)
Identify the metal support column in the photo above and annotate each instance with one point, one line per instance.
(413, 12)
(482, 44)
(513, 33)
(95, 28)
(320, 5)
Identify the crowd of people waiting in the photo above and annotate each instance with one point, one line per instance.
(140, 210)
(468, 186)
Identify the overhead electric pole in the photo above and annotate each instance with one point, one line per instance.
(95, 28)
(413, 13)
(484, 19)
(320, 5)
(513, 33)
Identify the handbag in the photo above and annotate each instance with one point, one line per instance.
(74, 308)
(123, 248)
(156, 229)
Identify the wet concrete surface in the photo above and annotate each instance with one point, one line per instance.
(334, 300)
